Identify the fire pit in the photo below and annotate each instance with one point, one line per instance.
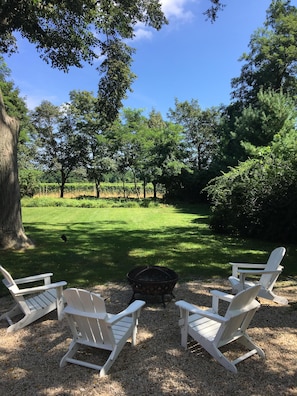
(152, 281)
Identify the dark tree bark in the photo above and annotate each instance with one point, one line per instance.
(12, 234)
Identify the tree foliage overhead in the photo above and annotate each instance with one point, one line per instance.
(212, 12)
(69, 33)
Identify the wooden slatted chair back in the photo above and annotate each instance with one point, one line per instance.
(239, 314)
(8, 280)
(88, 316)
(268, 280)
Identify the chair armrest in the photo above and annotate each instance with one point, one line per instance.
(222, 295)
(131, 309)
(258, 272)
(249, 265)
(32, 290)
(236, 266)
(183, 305)
(219, 295)
(33, 278)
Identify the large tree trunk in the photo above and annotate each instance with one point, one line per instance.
(12, 234)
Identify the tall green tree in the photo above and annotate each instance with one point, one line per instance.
(61, 146)
(201, 132)
(129, 138)
(167, 157)
(200, 129)
(98, 159)
(271, 63)
(258, 197)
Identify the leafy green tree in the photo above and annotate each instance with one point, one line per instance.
(201, 132)
(29, 181)
(61, 147)
(255, 126)
(128, 137)
(99, 160)
(257, 198)
(271, 63)
(258, 124)
(16, 107)
(269, 67)
(149, 149)
(162, 158)
(167, 159)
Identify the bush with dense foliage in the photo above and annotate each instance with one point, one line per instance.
(258, 198)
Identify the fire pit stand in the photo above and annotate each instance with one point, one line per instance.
(152, 281)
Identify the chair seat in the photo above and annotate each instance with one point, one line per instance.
(41, 301)
(206, 327)
(121, 328)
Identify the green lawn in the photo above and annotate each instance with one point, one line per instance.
(104, 244)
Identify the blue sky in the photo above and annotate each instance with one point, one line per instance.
(188, 59)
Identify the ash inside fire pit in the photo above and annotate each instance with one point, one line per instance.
(152, 281)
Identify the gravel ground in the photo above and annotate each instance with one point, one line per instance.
(157, 365)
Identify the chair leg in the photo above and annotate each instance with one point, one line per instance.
(246, 341)
(73, 348)
(110, 361)
(25, 321)
(10, 314)
(220, 358)
(60, 302)
(270, 295)
(134, 332)
(183, 324)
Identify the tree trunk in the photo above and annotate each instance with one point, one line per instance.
(155, 190)
(62, 185)
(12, 234)
(135, 186)
(97, 184)
(144, 189)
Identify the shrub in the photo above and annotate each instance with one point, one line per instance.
(257, 199)
(88, 202)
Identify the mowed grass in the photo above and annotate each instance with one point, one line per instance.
(104, 244)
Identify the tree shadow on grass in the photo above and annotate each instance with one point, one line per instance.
(102, 251)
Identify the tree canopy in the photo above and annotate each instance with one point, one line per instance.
(272, 60)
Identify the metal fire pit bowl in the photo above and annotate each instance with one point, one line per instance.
(152, 281)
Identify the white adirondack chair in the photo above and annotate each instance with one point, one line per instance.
(267, 276)
(92, 326)
(32, 302)
(212, 331)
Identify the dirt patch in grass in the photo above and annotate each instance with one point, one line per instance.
(157, 365)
